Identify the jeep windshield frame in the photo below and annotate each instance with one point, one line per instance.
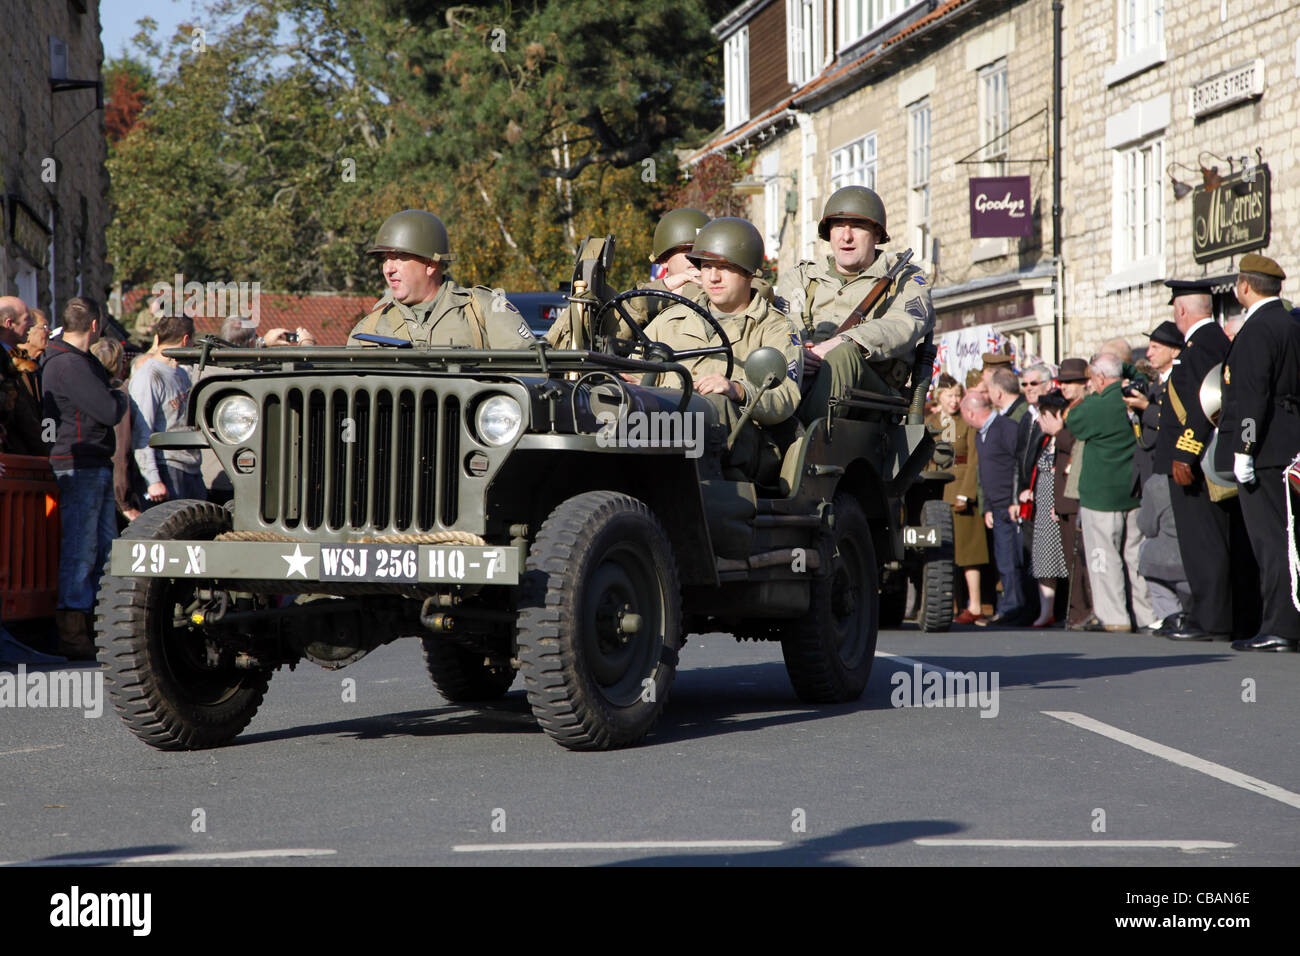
(538, 359)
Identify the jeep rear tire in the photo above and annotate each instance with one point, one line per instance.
(460, 674)
(829, 656)
(160, 677)
(599, 621)
(937, 572)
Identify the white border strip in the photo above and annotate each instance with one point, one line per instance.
(625, 845)
(1105, 844)
(173, 857)
(1216, 770)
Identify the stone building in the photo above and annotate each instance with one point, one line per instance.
(1156, 92)
(52, 176)
(916, 98)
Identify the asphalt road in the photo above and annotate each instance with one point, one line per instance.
(737, 771)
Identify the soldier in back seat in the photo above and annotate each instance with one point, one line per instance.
(878, 353)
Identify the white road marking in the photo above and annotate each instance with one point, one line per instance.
(912, 660)
(1108, 844)
(1183, 759)
(28, 750)
(625, 845)
(172, 857)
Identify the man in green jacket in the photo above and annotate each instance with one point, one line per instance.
(1107, 508)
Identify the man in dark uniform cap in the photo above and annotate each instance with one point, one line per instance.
(1260, 426)
(1211, 535)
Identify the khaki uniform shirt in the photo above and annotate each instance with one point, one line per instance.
(445, 320)
(822, 299)
(760, 324)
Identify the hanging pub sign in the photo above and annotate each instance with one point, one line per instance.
(999, 206)
(27, 232)
(1232, 218)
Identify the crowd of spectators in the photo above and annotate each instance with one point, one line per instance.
(88, 396)
(1082, 494)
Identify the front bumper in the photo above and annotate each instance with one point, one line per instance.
(296, 562)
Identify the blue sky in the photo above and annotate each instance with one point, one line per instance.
(118, 19)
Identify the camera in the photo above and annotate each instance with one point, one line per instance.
(291, 336)
(1132, 391)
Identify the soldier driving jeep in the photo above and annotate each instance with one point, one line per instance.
(727, 252)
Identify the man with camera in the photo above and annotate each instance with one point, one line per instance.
(1107, 506)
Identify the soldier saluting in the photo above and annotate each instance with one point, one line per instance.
(877, 354)
(423, 305)
(1260, 425)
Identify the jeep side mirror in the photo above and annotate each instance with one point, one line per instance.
(763, 364)
(764, 369)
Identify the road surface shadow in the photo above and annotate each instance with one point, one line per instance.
(102, 857)
(710, 702)
(818, 851)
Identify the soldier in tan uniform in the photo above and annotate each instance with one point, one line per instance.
(878, 353)
(727, 252)
(670, 251)
(426, 307)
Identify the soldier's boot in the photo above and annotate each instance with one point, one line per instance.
(74, 641)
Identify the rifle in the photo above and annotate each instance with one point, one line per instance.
(876, 294)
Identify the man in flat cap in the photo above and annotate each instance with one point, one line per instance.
(1260, 425)
(1211, 535)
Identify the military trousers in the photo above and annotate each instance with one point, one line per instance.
(844, 367)
(1263, 505)
(754, 455)
(1217, 560)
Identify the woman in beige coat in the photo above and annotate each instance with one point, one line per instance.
(970, 546)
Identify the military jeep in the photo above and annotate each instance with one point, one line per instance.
(503, 507)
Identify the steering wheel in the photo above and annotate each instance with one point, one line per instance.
(657, 351)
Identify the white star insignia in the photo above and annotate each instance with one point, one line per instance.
(297, 562)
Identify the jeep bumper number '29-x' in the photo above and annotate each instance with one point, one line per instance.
(503, 506)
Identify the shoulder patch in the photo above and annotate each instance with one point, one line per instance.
(918, 279)
(524, 331)
(794, 339)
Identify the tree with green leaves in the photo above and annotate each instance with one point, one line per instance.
(277, 135)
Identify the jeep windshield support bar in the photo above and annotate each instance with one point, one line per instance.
(539, 359)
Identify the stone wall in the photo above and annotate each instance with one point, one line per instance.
(1198, 43)
(37, 125)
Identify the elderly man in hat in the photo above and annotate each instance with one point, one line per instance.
(1145, 400)
(1260, 427)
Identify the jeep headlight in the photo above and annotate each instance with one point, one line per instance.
(235, 419)
(498, 420)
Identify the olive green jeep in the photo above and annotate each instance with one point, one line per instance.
(525, 512)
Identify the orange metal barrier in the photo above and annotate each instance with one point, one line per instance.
(29, 537)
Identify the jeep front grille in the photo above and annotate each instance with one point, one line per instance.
(379, 460)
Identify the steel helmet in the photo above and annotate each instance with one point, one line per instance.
(729, 239)
(676, 228)
(853, 202)
(415, 232)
